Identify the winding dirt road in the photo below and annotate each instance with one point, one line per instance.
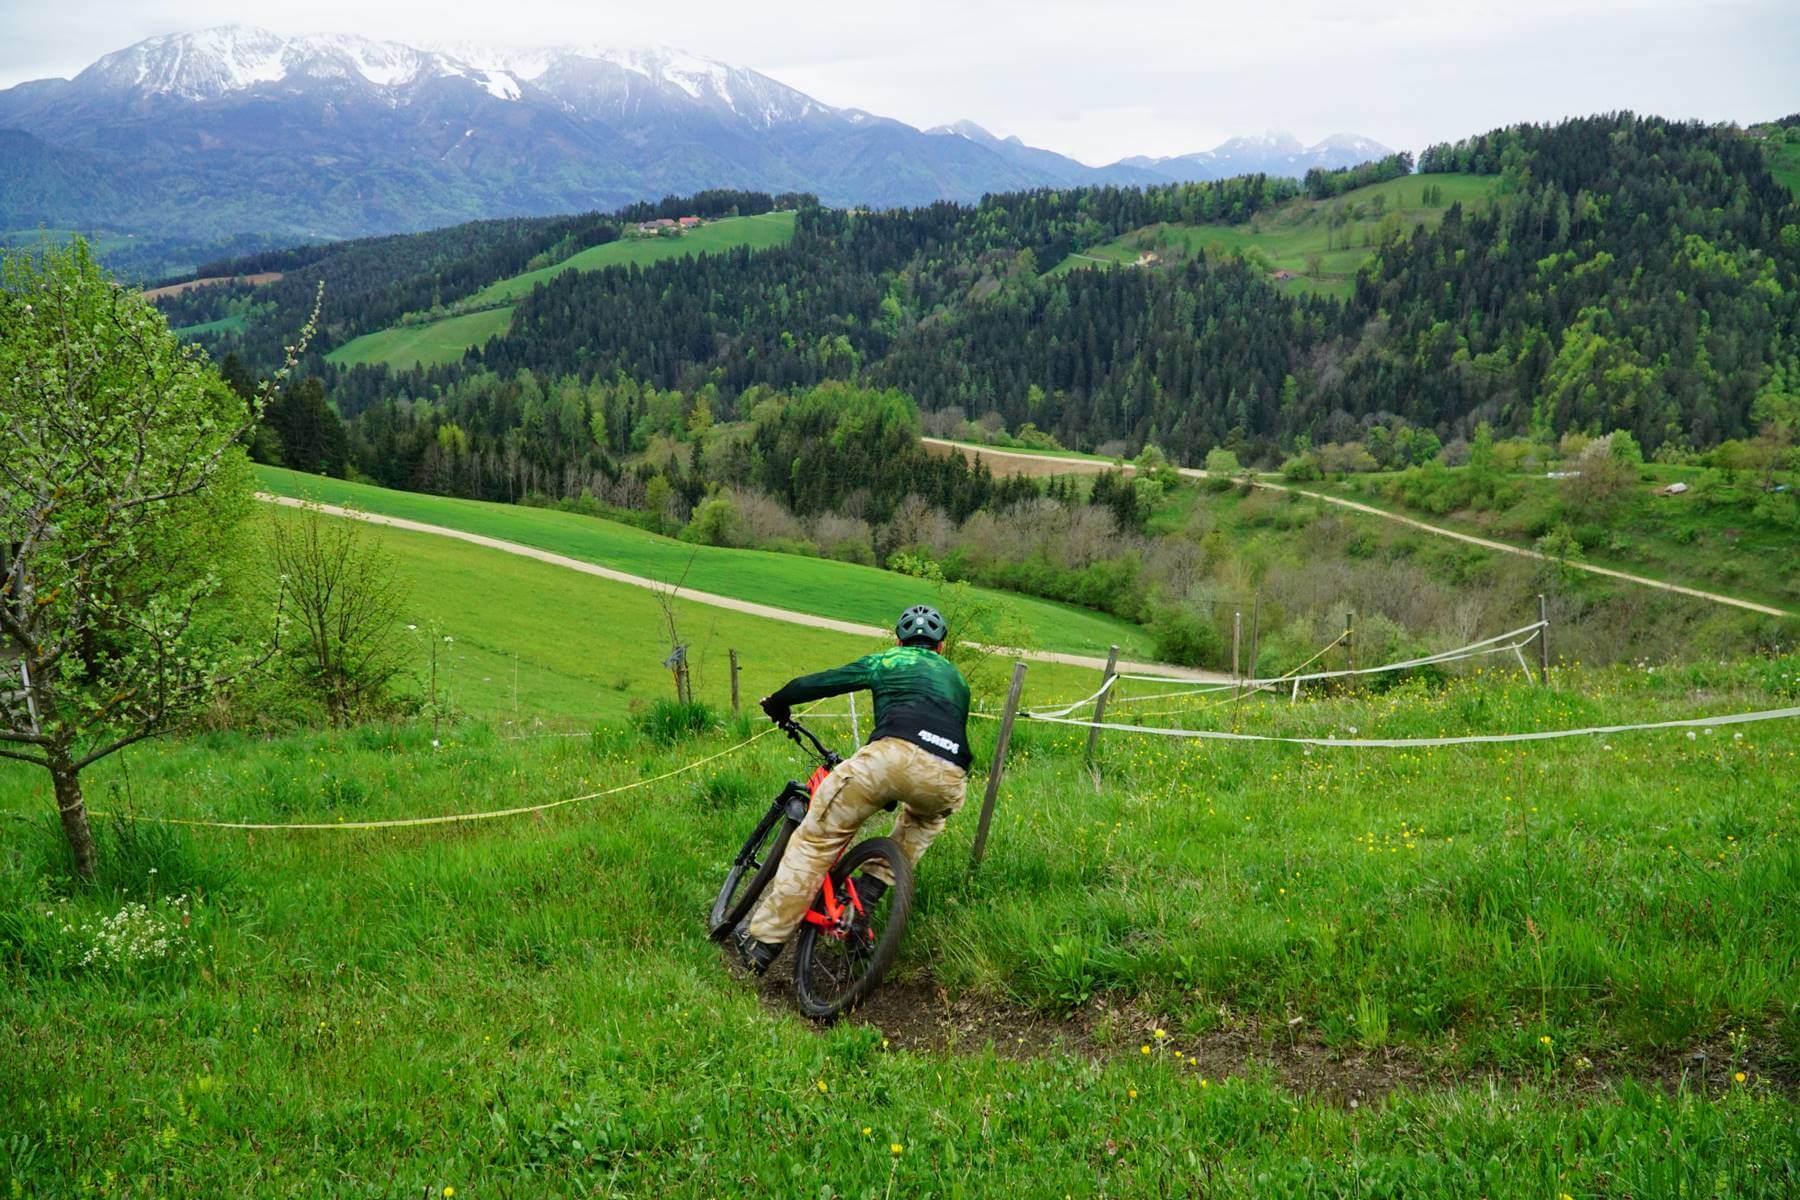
(1019, 462)
(732, 603)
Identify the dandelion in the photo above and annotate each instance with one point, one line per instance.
(895, 1148)
(1132, 1093)
(1144, 1049)
(1740, 1077)
(1545, 1039)
(822, 1086)
(449, 1192)
(1161, 1034)
(868, 1129)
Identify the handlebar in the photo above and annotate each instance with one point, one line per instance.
(795, 731)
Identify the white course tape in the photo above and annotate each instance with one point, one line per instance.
(1472, 739)
(1064, 710)
(1468, 651)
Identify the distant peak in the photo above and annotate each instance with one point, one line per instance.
(964, 128)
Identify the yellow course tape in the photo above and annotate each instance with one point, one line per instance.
(448, 818)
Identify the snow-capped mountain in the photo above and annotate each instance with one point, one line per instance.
(1274, 152)
(212, 63)
(236, 131)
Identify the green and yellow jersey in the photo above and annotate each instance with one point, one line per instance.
(919, 697)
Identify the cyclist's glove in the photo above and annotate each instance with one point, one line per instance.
(777, 713)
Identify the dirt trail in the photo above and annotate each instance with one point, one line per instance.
(727, 602)
(917, 1014)
(1018, 462)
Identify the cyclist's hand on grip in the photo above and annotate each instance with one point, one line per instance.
(777, 713)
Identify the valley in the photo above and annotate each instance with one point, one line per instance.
(1374, 588)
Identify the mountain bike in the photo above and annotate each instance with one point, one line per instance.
(844, 945)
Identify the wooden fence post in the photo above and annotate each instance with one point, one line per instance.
(1255, 633)
(1543, 641)
(1350, 649)
(734, 681)
(1237, 639)
(999, 767)
(1112, 662)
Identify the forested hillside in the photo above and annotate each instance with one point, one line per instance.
(1631, 273)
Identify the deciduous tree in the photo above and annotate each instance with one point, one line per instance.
(122, 484)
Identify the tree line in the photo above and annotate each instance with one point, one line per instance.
(1634, 273)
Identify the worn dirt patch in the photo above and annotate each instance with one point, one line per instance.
(918, 1014)
(1004, 463)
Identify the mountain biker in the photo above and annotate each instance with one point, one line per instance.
(916, 758)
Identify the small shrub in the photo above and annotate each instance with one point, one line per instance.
(135, 858)
(1302, 468)
(853, 550)
(667, 722)
(1183, 637)
(724, 790)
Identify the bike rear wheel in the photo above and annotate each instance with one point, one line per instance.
(835, 969)
(751, 871)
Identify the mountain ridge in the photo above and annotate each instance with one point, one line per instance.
(235, 131)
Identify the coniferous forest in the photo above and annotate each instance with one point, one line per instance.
(1633, 273)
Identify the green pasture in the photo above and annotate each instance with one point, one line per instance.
(231, 324)
(1519, 971)
(530, 643)
(1784, 165)
(1724, 534)
(1288, 238)
(823, 587)
(729, 233)
(403, 347)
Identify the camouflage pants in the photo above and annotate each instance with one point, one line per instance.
(928, 789)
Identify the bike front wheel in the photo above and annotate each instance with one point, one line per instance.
(836, 967)
(751, 871)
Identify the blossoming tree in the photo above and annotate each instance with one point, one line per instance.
(122, 486)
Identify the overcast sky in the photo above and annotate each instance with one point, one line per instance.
(1096, 80)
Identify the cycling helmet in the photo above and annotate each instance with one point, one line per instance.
(921, 624)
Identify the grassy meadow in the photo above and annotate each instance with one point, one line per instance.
(1229, 970)
(1784, 165)
(1724, 534)
(403, 347)
(231, 324)
(1291, 237)
(445, 341)
(759, 232)
(533, 644)
(824, 587)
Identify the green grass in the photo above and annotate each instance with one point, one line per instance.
(532, 642)
(755, 233)
(405, 346)
(1290, 237)
(432, 344)
(1784, 165)
(231, 324)
(823, 587)
(530, 1007)
(1722, 535)
(402, 347)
